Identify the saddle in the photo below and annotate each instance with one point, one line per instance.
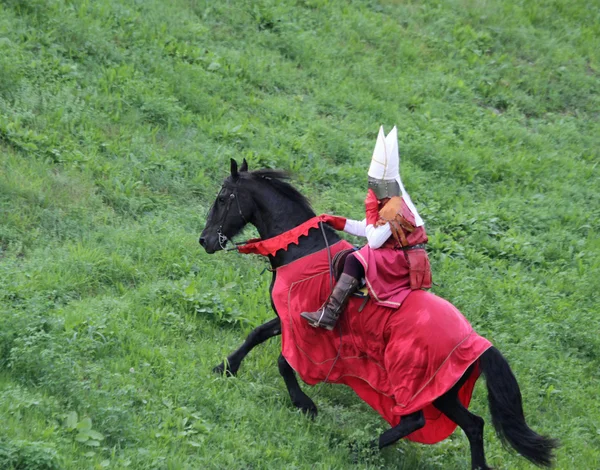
(338, 268)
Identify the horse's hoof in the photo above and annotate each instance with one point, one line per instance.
(307, 407)
(224, 369)
(310, 411)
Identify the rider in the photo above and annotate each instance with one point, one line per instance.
(394, 260)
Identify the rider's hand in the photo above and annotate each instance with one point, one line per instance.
(335, 221)
(371, 208)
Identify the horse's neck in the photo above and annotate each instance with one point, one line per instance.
(276, 214)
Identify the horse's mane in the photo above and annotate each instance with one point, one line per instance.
(278, 180)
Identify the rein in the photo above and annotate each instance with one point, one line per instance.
(329, 258)
(331, 278)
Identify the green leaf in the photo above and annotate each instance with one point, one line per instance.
(82, 438)
(85, 424)
(95, 435)
(92, 443)
(203, 427)
(105, 463)
(31, 146)
(190, 290)
(71, 421)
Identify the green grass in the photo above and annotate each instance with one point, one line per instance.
(117, 122)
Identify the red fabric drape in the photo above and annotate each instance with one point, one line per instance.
(397, 360)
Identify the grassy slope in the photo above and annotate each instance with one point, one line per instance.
(117, 120)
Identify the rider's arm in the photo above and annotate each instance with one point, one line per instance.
(356, 227)
(376, 236)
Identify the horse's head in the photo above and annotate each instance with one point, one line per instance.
(231, 211)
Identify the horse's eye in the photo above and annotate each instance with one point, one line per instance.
(221, 199)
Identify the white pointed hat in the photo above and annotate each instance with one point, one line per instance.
(385, 165)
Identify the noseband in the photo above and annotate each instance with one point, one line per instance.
(222, 237)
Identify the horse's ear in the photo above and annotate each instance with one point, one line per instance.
(244, 166)
(234, 169)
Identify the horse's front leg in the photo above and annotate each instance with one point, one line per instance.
(299, 398)
(260, 334)
(408, 424)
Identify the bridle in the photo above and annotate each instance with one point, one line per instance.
(222, 237)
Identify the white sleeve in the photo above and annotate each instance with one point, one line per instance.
(356, 227)
(377, 236)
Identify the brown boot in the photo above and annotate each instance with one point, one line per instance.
(327, 316)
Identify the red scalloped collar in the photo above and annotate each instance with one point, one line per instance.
(281, 242)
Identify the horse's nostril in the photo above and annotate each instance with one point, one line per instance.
(202, 241)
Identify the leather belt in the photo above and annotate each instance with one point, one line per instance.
(419, 246)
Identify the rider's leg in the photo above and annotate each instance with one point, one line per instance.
(327, 316)
(353, 267)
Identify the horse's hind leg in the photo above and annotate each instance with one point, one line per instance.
(299, 398)
(257, 336)
(408, 424)
(471, 424)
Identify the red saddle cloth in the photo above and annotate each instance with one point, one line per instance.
(397, 360)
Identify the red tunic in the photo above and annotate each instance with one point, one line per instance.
(391, 272)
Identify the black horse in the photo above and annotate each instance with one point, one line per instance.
(264, 199)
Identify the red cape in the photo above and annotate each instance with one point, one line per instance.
(397, 360)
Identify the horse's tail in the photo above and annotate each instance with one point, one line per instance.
(507, 411)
